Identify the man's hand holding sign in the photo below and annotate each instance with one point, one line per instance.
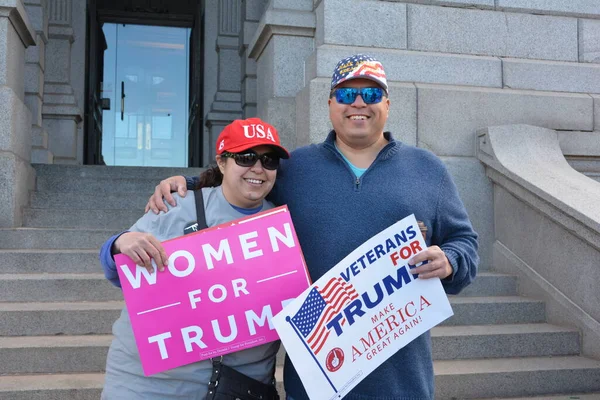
(437, 265)
(342, 327)
(218, 292)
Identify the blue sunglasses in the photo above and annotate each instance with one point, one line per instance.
(347, 95)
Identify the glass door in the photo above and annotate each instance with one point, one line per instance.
(146, 76)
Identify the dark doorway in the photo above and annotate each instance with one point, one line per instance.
(135, 130)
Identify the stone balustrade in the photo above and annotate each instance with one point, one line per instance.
(547, 224)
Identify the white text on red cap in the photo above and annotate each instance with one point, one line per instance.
(258, 131)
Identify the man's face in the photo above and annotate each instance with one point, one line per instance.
(358, 123)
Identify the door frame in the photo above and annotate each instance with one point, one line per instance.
(192, 19)
(196, 102)
(95, 46)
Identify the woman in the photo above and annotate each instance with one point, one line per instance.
(248, 153)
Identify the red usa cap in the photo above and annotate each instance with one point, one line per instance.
(243, 134)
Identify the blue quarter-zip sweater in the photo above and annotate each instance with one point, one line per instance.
(334, 212)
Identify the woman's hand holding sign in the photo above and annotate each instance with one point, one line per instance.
(142, 248)
(437, 265)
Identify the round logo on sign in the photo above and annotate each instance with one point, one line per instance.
(335, 359)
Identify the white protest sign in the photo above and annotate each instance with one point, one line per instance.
(361, 312)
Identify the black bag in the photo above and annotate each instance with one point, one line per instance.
(200, 222)
(228, 384)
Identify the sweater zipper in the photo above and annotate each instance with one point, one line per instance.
(357, 181)
(384, 150)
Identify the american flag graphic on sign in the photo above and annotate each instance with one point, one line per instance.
(319, 308)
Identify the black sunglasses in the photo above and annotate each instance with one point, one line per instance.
(269, 161)
(347, 95)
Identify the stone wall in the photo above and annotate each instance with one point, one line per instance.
(455, 66)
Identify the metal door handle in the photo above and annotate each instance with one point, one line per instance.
(122, 99)
(148, 137)
(140, 135)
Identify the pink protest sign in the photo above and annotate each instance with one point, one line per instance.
(219, 292)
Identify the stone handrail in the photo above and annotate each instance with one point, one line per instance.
(531, 157)
(547, 225)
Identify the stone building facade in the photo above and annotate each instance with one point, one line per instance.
(455, 68)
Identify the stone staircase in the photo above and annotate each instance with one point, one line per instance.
(57, 310)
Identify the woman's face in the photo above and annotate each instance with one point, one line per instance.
(246, 187)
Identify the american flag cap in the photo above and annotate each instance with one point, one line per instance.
(359, 66)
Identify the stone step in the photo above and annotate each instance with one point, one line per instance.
(514, 377)
(61, 173)
(52, 387)
(280, 357)
(89, 387)
(84, 261)
(98, 185)
(496, 341)
(73, 201)
(495, 310)
(53, 354)
(491, 284)
(118, 220)
(503, 340)
(57, 287)
(45, 354)
(53, 238)
(77, 317)
(49, 261)
(572, 396)
(66, 318)
(61, 354)
(279, 382)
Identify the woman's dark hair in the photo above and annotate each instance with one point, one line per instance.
(210, 178)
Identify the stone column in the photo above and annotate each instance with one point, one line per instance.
(35, 58)
(251, 12)
(226, 105)
(16, 174)
(61, 114)
(281, 44)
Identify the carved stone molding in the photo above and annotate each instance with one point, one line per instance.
(281, 22)
(14, 10)
(230, 17)
(60, 12)
(59, 20)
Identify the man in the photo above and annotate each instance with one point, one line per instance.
(356, 183)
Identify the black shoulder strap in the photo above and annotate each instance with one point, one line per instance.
(200, 216)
